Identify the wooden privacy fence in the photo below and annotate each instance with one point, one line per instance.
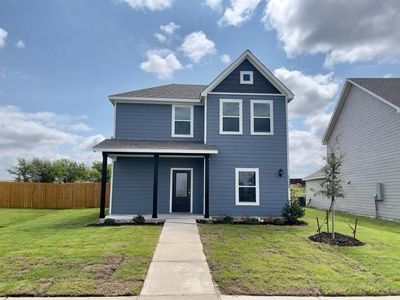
(51, 195)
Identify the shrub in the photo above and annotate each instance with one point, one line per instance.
(251, 221)
(292, 212)
(139, 220)
(109, 222)
(225, 220)
(277, 221)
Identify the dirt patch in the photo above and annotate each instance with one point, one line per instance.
(340, 239)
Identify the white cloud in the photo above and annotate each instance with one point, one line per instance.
(3, 36)
(163, 63)
(41, 134)
(160, 37)
(196, 45)
(170, 28)
(20, 44)
(225, 59)
(149, 4)
(346, 31)
(312, 92)
(214, 4)
(238, 12)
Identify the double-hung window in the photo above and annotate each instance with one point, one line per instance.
(247, 186)
(262, 120)
(230, 116)
(182, 121)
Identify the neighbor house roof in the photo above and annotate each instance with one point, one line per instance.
(386, 90)
(316, 175)
(152, 146)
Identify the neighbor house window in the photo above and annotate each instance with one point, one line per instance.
(247, 186)
(230, 116)
(262, 121)
(182, 121)
(246, 77)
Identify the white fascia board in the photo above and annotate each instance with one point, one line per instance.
(114, 99)
(180, 151)
(259, 66)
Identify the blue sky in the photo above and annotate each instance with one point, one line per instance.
(60, 59)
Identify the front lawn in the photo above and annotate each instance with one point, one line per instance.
(52, 252)
(281, 260)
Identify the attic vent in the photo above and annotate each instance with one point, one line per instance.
(246, 77)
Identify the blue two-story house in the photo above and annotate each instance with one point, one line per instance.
(217, 149)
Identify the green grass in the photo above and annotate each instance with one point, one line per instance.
(297, 191)
(281, 260)
(52, 252)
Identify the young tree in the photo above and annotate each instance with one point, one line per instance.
(21, 170)
(332, 185)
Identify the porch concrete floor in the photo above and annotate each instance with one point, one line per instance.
(179, 267)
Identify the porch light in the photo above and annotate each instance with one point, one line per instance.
(280, 172)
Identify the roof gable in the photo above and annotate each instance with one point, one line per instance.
(231, 83)
(267, 74)
(370, 86)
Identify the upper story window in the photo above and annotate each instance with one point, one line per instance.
(246, 77)
(230, 116)
(182, 121)
(247, 186)
(262, 120)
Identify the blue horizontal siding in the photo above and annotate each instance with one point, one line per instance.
(231, 83)
(268, 153)
(153, 122)
(133, 184)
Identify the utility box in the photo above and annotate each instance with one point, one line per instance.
(379, 192)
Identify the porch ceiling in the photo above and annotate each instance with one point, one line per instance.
(156, 147)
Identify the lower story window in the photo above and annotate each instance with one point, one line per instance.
(247, 186)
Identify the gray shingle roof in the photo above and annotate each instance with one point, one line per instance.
(170, 91)
(387, 88)
(152, 146)
(316, 175)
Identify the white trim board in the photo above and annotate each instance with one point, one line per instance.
(259, 66)
(257, 187)
(251, 76)
(178, 151)
(170, 187)
(111, 184)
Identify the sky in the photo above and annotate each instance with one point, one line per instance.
(60, 59)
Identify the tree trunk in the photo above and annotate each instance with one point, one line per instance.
(333, 218)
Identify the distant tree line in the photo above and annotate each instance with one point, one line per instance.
(58, 171)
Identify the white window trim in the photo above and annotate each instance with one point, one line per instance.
(173, 121)
(221, 122)
(171, 186)
(271, 109)
(250, 73)
(256, 170)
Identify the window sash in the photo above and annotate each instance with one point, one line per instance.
(267, 116)
(245, 189)
(181, 120)
(224, 117)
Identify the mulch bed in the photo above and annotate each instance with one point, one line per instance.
(340, 239)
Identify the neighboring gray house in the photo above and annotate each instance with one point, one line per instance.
(313, 186)
(365, 128)
(217, 149)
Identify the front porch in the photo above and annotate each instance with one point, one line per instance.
(156, 179)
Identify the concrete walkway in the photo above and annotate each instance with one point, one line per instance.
(179, 266)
